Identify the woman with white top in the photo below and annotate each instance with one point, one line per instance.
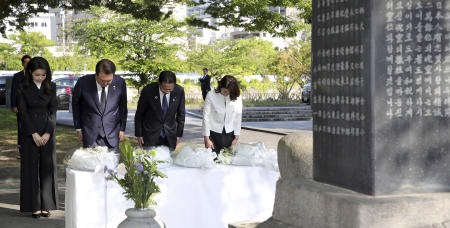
(222, 115)
(37, 106)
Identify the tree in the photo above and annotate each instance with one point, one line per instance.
(32, 43)
(143, 47)
(293, 67)
(8, 59)
(235, 57)
(253, 15)
(250, 56)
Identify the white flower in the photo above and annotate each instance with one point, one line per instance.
(121, 169)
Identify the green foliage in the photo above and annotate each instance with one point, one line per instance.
(32, 43)
(72, 63)
(293, 67)
(143, 47)
(233, 57)
(8, 59)
(305, 7)
(139, 181)
(253, 15)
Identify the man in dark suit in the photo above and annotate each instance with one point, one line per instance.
(17, 79)
(99, 105)
(205, 83)
(160, 113)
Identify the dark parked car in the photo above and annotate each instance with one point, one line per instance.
(306, 93)
(5, 88)
(64, 87)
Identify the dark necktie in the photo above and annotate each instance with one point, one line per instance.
(103, 100)
(164, 109)
(103, 106)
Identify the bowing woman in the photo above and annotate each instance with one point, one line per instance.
(37, 107)
(222, 115)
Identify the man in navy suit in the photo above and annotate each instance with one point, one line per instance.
(17, 79)
(205, 83)
(99, 105)
(160, 113)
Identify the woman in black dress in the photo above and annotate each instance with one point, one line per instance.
(37, 107)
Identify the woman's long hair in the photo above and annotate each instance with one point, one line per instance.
(229, 82)
(34, 64)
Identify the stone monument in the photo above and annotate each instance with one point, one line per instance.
(381, 109)
(381, 95)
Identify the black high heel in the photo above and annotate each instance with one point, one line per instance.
(36, 215)
(46, 214)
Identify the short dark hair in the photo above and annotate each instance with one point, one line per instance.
(25, 57)
(205, 68)
(35, 64)
(229, 82)
(167, 77)
(106, 66)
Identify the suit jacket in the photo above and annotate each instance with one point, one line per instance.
(220, 112)
(37, 110)
(205, 83)
(16, 81)
(149, 120)
(88, 116)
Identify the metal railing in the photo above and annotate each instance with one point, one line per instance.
(295, 96)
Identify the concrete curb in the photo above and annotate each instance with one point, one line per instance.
(243, 127)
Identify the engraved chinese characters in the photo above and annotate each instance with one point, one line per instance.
(418, 59)
(380, 95)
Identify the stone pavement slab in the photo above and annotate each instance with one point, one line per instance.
(11, 217)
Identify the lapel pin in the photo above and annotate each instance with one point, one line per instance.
(114, 87)
(156, 97)
(173, 100)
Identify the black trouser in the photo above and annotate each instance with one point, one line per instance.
(38, 176)
(18, 131)
(204, 92)
(221, 140)
(159, 142)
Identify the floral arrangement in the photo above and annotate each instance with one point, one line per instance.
(140, 175)
(225, 156)
(92, 159)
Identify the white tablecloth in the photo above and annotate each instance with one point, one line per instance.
(189, 198)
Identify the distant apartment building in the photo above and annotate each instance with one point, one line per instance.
(207, 36)
(65, 37)
(55, 26)
(42, 22)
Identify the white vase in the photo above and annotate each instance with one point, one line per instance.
(141, 218)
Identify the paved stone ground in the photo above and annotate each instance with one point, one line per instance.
(10, 217)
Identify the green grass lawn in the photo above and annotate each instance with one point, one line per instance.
(66, 140)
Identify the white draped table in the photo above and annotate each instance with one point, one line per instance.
(189, 198)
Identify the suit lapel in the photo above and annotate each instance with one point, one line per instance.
(172, 100)
(38, 92)
(94, 93)
(158, 102)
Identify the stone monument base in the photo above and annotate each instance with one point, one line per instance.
(305, 203)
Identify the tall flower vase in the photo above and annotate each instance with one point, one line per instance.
(141, 218)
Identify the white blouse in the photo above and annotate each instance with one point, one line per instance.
(38, 84)
(220, 112)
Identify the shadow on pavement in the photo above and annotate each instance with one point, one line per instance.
(11, 217)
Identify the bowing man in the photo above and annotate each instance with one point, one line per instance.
(160, 113)
(99, 105)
